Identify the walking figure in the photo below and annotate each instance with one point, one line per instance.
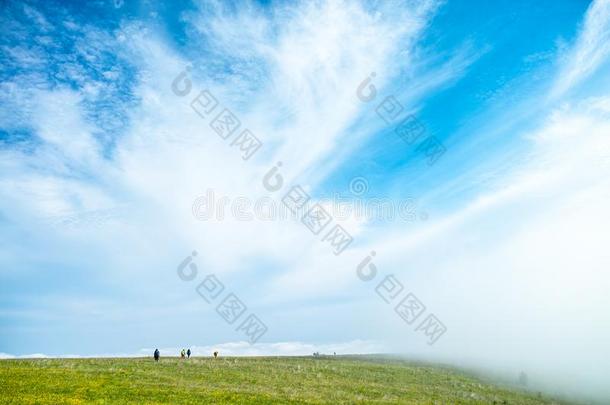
(156, 354)
(215, 354)
(188, 353)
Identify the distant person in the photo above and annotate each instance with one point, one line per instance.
(182, 353)
(215, 354)
(188, 353)
(157, 354)
(523, 379)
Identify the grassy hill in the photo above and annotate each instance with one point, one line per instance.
(254, 380)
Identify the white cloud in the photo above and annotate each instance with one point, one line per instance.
(590, 50)
(131, 212)
(520, 275)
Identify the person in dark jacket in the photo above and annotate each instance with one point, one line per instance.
(156, 354)
(188, 353)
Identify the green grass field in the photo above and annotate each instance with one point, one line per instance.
(254, 380)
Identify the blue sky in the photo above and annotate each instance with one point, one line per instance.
(101, 164)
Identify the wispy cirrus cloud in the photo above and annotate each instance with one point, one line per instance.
(590, 51)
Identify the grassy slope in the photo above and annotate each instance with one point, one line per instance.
(246, 380)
